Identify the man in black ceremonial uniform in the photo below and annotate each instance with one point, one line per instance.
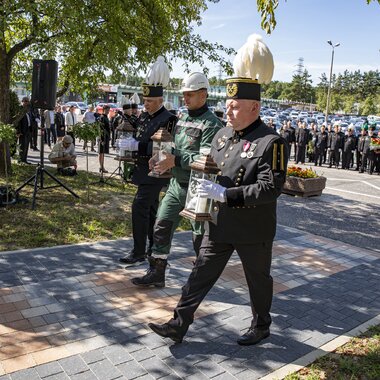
(335, 146)
(349, 145)
(302, 138)
(252, 159)
(320, 146)
(145, 203)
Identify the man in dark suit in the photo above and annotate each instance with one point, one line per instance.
(24, 130)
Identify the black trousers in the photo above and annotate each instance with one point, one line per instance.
(34, 136)
(346, 159)
(144, 210)
(24, 141)
(301, 152)
(256, 259)
(318, 156)
(334, 158)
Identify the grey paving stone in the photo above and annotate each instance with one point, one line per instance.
(25, 374)
(73, 365)
(156, 367)
(93, 356)
(88, 375)
(49, 369)
(132, 369)
(224, 376)
(5, 377)
(117, 354)
(105, 370)
(58, 376)
(143, 354)
(210, 368)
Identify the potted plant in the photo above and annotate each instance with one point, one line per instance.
(303, 182)
(7, 139)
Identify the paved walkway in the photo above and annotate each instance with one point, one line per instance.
(71, 312)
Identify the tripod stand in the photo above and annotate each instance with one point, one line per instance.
(38, 177)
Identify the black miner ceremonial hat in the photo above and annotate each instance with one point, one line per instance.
(151, 91)
(243, 88)
(253, 65)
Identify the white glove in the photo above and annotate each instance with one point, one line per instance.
(211, 190)
(131, 145)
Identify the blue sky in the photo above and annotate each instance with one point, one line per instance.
(303, 28)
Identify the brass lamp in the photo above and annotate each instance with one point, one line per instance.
(197, 208)
(162, 143)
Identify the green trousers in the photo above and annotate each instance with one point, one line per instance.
(168, 219)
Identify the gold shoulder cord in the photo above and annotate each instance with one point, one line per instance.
(282, 158)
(274, 159)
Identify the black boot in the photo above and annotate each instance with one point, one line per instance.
(155, 275)
(167, 331)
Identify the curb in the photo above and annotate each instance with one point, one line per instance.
(309, 358)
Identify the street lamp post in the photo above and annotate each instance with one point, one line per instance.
(331, 69)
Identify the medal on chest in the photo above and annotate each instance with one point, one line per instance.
(222, 141)
(246, 147)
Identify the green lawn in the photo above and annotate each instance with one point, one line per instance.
(59, 218)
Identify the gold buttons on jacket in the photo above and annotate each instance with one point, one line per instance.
(222, 163)
(226, 155)
(231, 147)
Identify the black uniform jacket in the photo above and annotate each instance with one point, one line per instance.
(252, 167)
(321, 142)
(349, 143)
(148, 125)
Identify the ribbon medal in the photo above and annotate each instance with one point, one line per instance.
(250, 151)
(246, 147)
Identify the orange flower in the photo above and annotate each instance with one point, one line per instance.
(296, 171)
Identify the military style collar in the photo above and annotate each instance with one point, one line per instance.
(153, 115)
(244, 132)
(199, 111)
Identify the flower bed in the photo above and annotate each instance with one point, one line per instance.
(303, 182)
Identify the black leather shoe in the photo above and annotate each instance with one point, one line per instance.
(253, 336)
(132, 259)
(166, 331)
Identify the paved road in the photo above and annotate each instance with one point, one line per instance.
(348, 209)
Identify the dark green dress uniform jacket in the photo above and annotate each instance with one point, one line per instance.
(252, 166)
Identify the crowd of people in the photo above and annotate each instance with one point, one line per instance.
(332, 147)
(58, 132)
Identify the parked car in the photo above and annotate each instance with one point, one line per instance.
(113, 108)
(81, 106)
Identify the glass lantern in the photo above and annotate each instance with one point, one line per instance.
(197, 208)
(124, 132)
(162, 143)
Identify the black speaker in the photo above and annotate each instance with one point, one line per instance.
(44, 83)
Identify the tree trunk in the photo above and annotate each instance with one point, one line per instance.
(5, 73)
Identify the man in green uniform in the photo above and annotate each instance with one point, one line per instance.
(192, 136)
(252, 159)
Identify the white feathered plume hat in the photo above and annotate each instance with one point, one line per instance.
(219, 110)
(157, 79)
(253, 65)
(135, 100)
